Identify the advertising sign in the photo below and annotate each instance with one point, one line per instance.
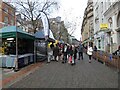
(103, 26)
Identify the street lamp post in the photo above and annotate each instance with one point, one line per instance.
(16, 60)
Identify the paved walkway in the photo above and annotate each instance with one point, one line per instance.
(81, 75)
(9, 76)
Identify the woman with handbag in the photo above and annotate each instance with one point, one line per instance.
(70, 54)
(89, 52)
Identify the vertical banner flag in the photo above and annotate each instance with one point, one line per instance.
(45, 23)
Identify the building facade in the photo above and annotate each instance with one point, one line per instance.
(106, 13)
(7, 14)
(87, 25)
(26, 25)
(59, 30)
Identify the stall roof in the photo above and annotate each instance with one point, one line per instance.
(40, 35)
(10, 32)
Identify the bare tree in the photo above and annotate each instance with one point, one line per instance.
(31, 10)
(71, 26)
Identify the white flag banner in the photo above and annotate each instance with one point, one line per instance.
(51, 35)
(45, 23)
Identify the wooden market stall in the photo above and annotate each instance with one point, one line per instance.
(41, 48)
(16, 45)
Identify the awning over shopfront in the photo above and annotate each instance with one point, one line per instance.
(10, 32)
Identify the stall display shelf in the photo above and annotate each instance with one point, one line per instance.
(9, 60)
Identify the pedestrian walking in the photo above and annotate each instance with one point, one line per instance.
(95, 51)
(65, 52)
(89, 52)
(74, 55)
(95, 48)
(70, 54)
(61, 52)
(117, 52)
(56, 52)
(80, 51)
(50, 53)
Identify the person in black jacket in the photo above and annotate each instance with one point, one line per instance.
(95, 48)
(65, 51)
(56, 52)
(70, 53)
(95, 51)
(74, 55)
(117, 52)
(80, 51)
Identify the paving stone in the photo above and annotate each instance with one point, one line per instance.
(81, 75)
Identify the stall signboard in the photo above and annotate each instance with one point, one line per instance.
(103, 26)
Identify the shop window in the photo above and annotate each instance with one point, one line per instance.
(99, 44)
(6, 20)
(6, 10)
(12, 22)
(118, 20)
(101, 7)
(110, 22)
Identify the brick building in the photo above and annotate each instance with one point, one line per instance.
(7, 14)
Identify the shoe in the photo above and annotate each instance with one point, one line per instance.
(72, 64)
(89, 61)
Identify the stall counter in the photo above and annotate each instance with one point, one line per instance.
(9, 60)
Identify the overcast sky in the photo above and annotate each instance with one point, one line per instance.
(70, 11)
(73, 11)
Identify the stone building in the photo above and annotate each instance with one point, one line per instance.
(87, 25)
(106, 13)
(59, 31)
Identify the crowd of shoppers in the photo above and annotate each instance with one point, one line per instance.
(68, 53)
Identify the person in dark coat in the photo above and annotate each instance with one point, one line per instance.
(80, 51)
(65, 51)
(75, 54)
(70, 53)
(117, 52)
(95, 50)
(52, 46)
(56, 52)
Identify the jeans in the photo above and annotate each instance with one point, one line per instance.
(81, 55)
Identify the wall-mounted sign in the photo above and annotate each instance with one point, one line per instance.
(103, 26)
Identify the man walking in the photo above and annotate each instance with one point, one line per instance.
(50, 52)
(56, 52)
(80, 51)
(65, 52)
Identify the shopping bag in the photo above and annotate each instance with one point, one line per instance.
(57, 58)
(73, 61)
(70, 59)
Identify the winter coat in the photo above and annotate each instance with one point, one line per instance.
(89, 51)
(80, 49)
(56, 51)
